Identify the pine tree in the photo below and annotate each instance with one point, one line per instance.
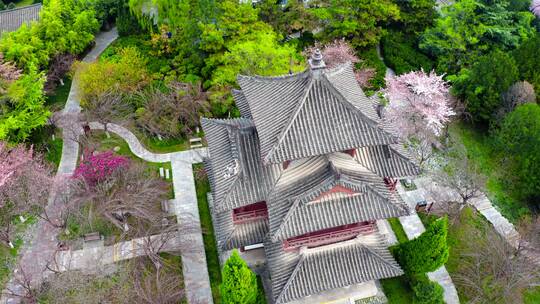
(239, 285)
(427, 252)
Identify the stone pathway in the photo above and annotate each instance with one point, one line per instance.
(184, 206)
(98, 255)
(413, 228)
(35, 256)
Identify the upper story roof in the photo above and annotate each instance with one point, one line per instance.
(11, 20)
(328, 191)
(312, 113)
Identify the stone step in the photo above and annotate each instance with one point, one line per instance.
(196, 146)
(196, 139)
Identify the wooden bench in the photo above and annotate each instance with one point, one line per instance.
(90, 237)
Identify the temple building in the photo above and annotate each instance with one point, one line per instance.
(305, 177)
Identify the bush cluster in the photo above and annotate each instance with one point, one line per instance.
(401, 55)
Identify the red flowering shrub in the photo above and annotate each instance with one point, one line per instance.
(97, 167)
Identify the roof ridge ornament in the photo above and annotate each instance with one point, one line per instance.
(316, 62)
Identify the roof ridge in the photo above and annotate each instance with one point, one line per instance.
(284, 77)
(290, 120)
(292, 276)
(20, 8)
(228, 122)
(376, 254)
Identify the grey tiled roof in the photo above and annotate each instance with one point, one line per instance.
(241, 103)
(237, 175)
(11, 20)
(389, 161)
(311, 114)
(294, 208)
(230, 235)
(297, 274)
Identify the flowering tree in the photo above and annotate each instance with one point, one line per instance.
(340, 51)
(337, 52)
(99, 166)
(25, 183)
(11, 160)
(535, 7)
(419, 105)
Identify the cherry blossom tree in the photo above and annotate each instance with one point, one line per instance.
(340, 51)
(25, 182)
(535, 7)
(98, 166)
(419, 105)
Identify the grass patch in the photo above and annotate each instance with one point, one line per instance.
(58, 100)
(210, 246)
(398, 229)
(532, 296)
(77, 228)
(165, 145)
(480, 150)
(397, 290)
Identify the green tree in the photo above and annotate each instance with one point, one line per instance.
(262, 55)
(427, 252)
(22, 108)
(470, 28)
(519, 138)
(426, 291)
(239, 284)
(416, 15)
(357, 20)
(528, 62)
(483, 85)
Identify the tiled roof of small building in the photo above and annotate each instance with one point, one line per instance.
(297, 274)
(236, 173)
(301, 203)
(241, 103)
(311, 113)
(11, 20)
(387, 161)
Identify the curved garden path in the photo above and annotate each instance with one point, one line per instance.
(40, 251)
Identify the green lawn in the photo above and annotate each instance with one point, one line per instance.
(398, 230)
(57, 100)
(480, 150)
(212, 257)
(397, 290)
(8, 256)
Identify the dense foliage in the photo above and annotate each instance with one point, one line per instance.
(519, 138)
(427, 252)
(528, 61)
(239, 283)
(483, 85)
(469, 28)
(401, 55)
(426, 291)
(416, 15)
(359, 21)
(124, 74)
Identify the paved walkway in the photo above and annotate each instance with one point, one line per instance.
(184, 206)
(35, 256)
(413, 228)
(97, 255)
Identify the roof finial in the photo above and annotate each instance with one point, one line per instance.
(316, 61)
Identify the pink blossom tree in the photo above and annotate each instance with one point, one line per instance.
(339, 52)
(97, 166)
(535, 7)
(12, 159)
(419, 105)
(25, 183)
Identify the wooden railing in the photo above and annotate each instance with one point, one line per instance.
(250, 213)
(329, 236)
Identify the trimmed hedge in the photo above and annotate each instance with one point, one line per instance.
(426, 291)
(402, 56)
